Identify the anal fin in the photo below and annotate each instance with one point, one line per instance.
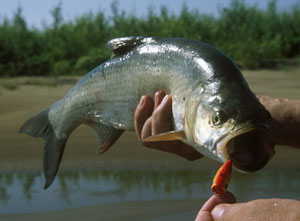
(106, 135)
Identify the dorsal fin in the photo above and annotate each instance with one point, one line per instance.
(120, 46)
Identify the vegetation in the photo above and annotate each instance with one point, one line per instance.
(252, 37)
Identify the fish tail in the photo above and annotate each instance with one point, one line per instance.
(40, 126)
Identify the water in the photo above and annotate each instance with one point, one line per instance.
(23, 193)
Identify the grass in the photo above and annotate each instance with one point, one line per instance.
(10, 85)
(254, 38)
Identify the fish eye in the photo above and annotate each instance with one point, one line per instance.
(219, 118)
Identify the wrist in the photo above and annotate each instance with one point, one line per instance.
(285, 122)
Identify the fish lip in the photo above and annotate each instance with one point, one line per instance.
(221, 143)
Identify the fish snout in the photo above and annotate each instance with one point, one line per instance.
(250, 151)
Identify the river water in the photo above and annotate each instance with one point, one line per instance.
(23, 193)
(136, 174)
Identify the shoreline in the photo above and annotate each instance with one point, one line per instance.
(20, 153)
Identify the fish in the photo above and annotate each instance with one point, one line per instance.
(222, 178)
(213, 108)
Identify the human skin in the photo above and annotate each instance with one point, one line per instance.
(285, 123)
(154, 117)
(205, 212)
(222, 207)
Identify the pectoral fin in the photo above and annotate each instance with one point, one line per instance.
(171, 135)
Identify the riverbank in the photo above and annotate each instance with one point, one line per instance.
(21, 153)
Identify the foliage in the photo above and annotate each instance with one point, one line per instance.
(252, 37)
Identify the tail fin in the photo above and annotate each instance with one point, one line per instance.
(39, 126)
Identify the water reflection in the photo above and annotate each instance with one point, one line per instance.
(67, 183)
(22, 192)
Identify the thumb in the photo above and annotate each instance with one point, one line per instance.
(218, 213)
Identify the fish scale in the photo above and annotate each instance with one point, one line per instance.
(206, 86)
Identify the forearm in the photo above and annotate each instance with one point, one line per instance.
(285, 124)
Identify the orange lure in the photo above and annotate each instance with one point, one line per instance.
(222, 178)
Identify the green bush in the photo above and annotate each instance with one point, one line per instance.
(252, 37)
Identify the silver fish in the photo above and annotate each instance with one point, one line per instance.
(213, 108)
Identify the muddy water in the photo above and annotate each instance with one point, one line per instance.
(22, 192)
(128, 176)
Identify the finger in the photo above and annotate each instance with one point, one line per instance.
(216, 199)
(147, 130)
(205, 211)
(219, 211)
(142, 113)
(158, 97)
(164, 110)
(204, 216)
(162, 116)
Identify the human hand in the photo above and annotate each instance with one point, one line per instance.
(155, 117)
(205, 213)
(223, 207)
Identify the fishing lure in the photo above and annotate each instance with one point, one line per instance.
(222, 178)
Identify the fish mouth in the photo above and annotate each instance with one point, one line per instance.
(250, 148)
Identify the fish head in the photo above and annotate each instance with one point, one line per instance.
(228, 125)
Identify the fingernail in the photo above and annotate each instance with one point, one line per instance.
(157, 93)
(219, 211)
(165, 99)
